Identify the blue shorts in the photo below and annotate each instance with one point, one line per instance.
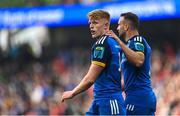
(107, 107)
(136, 105)
(132, 109)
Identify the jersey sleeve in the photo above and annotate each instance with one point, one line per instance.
(137, 44)
(100, 54)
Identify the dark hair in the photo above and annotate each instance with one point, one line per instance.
(133, 18)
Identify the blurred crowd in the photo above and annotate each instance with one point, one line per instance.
(165, 80)
(34, 87)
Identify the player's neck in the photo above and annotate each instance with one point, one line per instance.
(100, 36)
(103, 33)
(131, 34)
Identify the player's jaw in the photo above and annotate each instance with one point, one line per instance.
(121, 32)
(95, 33)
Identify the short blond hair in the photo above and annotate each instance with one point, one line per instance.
(99, 14)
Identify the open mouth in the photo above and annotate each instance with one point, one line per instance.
(92, 32)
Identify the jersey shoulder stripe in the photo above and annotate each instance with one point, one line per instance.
(138, 39)
(101, 40)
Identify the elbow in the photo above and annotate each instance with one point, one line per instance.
(89, 80)
(139, 60)
(139, 63)
(89, 83)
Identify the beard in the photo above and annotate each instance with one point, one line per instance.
(121, 32)
(122, 35)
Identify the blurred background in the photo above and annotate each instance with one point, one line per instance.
(45, 49)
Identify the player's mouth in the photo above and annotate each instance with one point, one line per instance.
(92, 32)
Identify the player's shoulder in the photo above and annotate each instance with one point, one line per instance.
(105, 40)
(138, 38)
(135, 43)
(111, 39)
(101, 40)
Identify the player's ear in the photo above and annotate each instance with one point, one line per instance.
(126, 27)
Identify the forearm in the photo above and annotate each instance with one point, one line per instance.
(83, 85)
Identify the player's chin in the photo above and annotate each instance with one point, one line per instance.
(93, 36)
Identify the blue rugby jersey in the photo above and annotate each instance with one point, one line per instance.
(106, 53)
(137, 78)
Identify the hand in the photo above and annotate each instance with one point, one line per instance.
(112, 34)
(67, 95)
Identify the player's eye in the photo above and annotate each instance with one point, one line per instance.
(95, 22)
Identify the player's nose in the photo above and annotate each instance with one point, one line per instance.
(91, 26)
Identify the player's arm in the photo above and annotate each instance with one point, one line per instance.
(85, 83)
(89, 79)
(137, 58)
